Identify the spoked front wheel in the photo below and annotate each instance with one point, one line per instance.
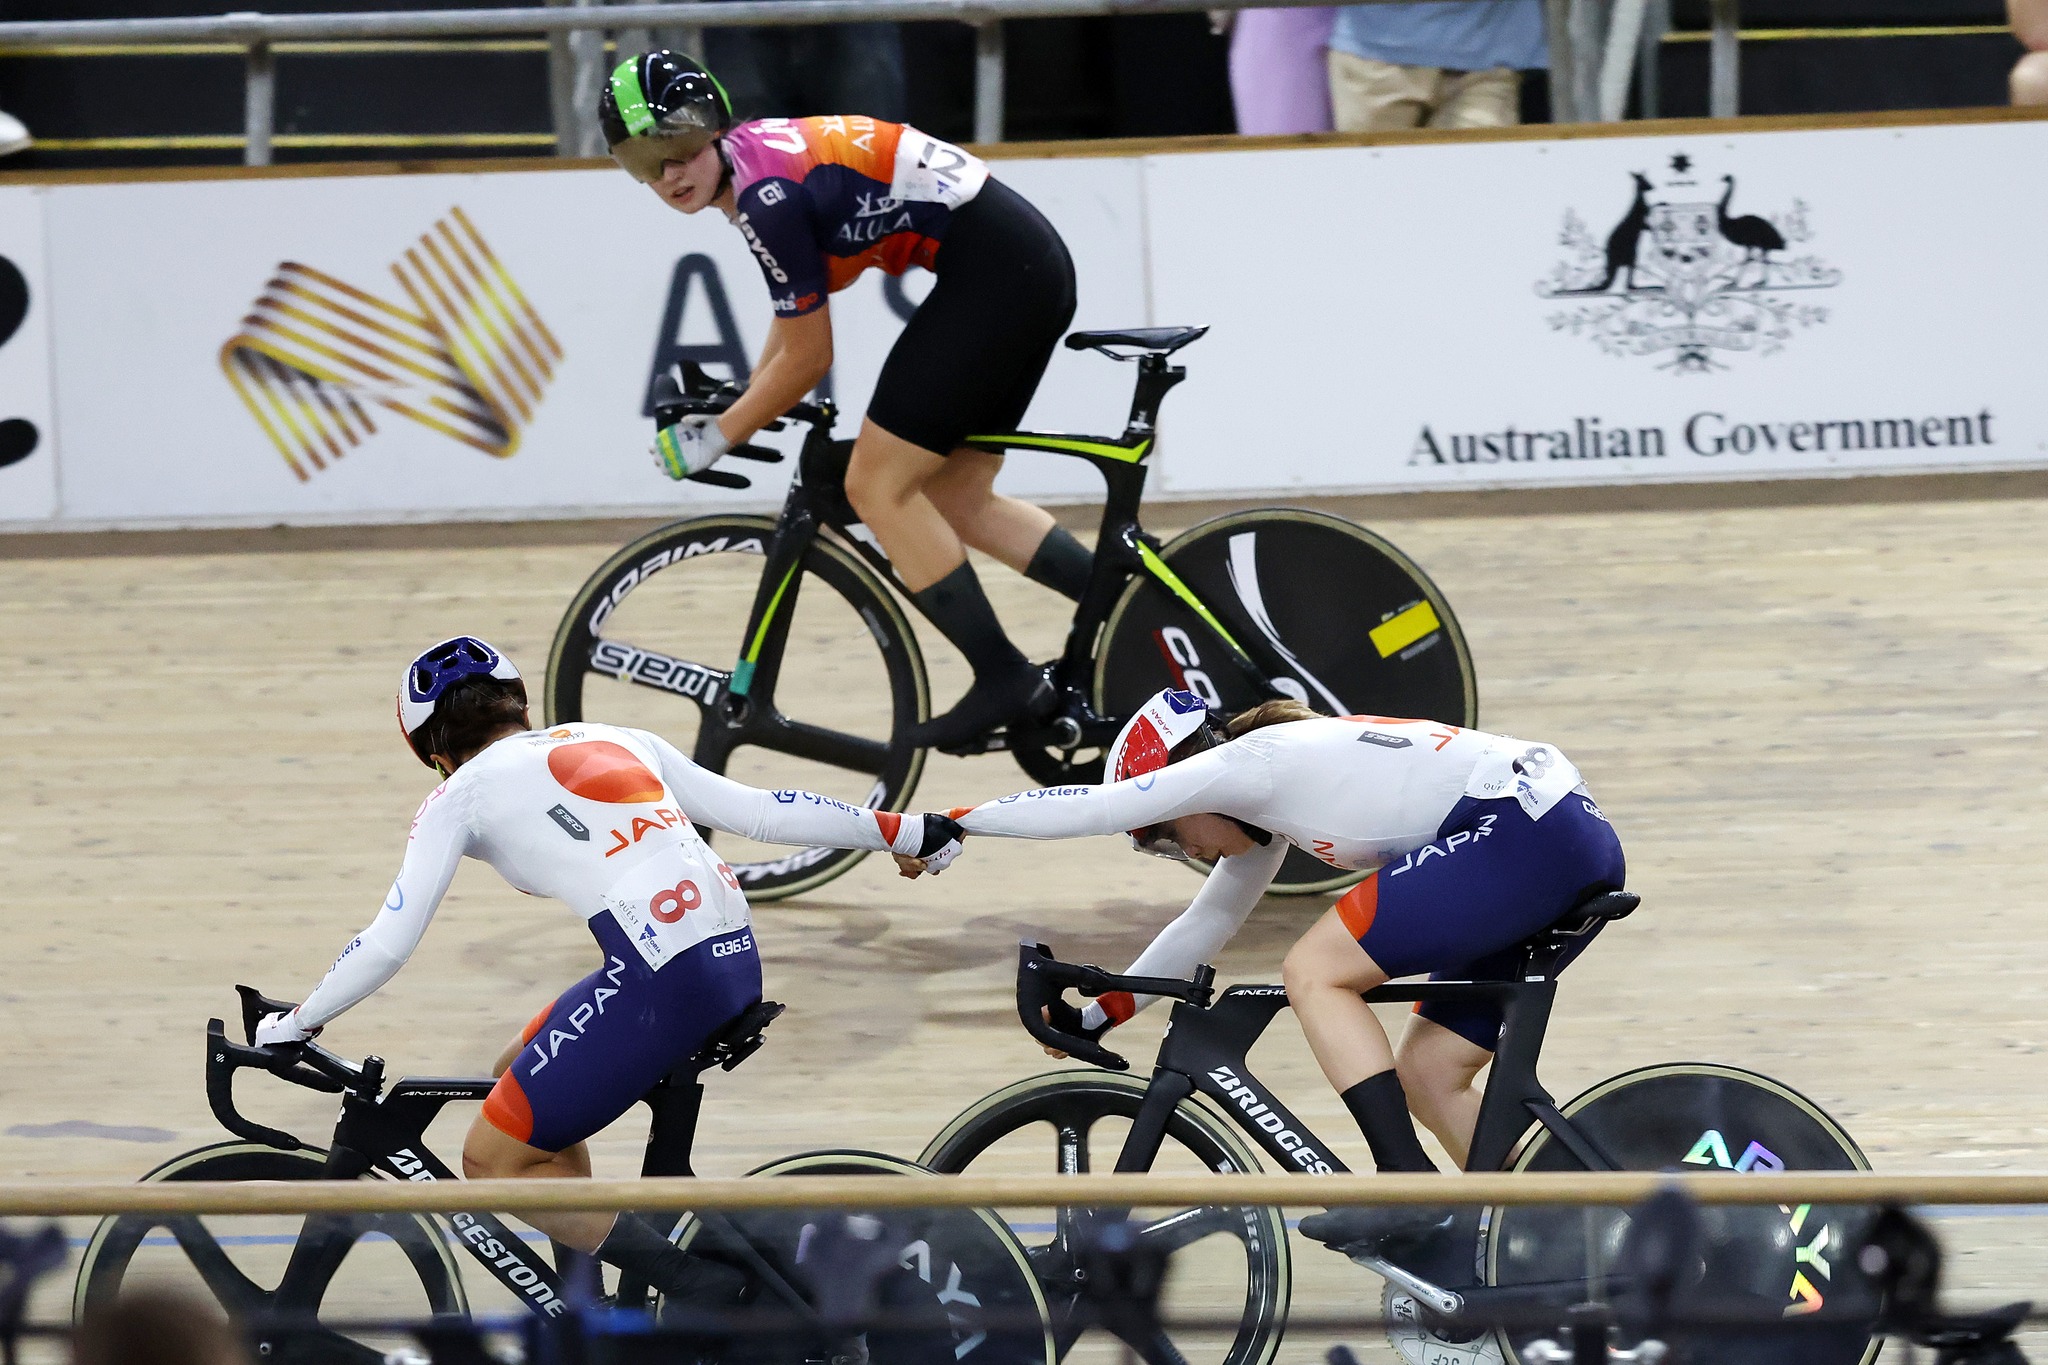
(353, 1268)
(832, 681)
(1791, 1269)
(1223, 1258)
(1354, 627)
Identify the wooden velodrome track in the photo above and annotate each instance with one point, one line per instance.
(1814, 711)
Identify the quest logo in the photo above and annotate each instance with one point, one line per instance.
(462, 353)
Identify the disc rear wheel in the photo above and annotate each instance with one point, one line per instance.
(1360, 628)
(1773, 1265)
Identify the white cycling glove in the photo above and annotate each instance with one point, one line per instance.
(690, 446)
(282, 1027)
(932, 837)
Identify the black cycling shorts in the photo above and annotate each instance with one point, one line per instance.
(972, 354)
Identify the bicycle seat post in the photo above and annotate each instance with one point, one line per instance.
(1156, 379)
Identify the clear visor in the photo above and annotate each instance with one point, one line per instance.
(643, 157)
(1158, 841)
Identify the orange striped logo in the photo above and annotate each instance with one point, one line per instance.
(465, 354)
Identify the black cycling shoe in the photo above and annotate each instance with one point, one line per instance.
(1378, 1230)
(992, 702)
(705, 1300)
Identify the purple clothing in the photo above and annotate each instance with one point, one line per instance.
(1279, 78)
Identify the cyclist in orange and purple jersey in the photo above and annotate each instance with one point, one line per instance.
(821, 200)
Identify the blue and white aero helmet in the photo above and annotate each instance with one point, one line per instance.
(428, 678)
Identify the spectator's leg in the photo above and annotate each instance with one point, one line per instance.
(1278, 65)
(1480, 99)
(1373, 97)
(2029, 20)
(2030, 79)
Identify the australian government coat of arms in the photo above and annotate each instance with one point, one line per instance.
(1685, 277)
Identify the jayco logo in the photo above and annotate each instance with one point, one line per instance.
(1683, 275)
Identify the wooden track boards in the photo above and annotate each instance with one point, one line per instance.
(1818, 728)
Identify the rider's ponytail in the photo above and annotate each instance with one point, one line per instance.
(1276, 712)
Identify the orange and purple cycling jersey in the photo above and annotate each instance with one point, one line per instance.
(820, 200)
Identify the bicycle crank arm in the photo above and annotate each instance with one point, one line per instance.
(1445, 1302)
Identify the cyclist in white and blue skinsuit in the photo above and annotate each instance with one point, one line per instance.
(1475, 842)
(600, 818)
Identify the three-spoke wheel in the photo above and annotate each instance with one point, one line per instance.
(1222, 1257)
(354, 1268)
(833, 682)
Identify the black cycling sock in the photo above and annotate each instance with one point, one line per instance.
(635, 1246)
(959, 608)
(1381, 1108)
(1062, 563)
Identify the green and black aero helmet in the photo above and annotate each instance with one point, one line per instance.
(660, 106)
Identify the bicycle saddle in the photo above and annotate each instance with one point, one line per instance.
(1161, 340)
(737, 1041)
(1597, 910)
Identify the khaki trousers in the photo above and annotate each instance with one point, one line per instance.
(1374, 97)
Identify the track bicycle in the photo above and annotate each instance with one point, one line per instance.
(1503, 1276)
(347, 1277)
(827, 679)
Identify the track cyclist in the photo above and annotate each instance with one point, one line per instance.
(821, 200)
(600, 818)
(1476, 842)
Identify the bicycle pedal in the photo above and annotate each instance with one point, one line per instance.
(981, 744)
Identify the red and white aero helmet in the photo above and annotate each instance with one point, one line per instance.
(1148, 737)
(436, 670)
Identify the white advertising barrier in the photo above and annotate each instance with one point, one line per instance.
(1600, 309)
(1606, 309)
(493, 336)
(28, 464)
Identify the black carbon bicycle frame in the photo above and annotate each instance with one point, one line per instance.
(386, 1132)
(1204, 1049)
(745, 699)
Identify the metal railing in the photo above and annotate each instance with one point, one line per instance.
(1596, 46)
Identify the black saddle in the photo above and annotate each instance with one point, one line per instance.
(1155, 340)
(1596, 910)
(737, 1040)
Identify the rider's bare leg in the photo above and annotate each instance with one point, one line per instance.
(1439, 1070)
(1325, 972)
(488, 1154)
(886, 483)
(999, 526)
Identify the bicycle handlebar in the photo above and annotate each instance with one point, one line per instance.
(306, 1064)
(686, 389)
(1042, 978)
